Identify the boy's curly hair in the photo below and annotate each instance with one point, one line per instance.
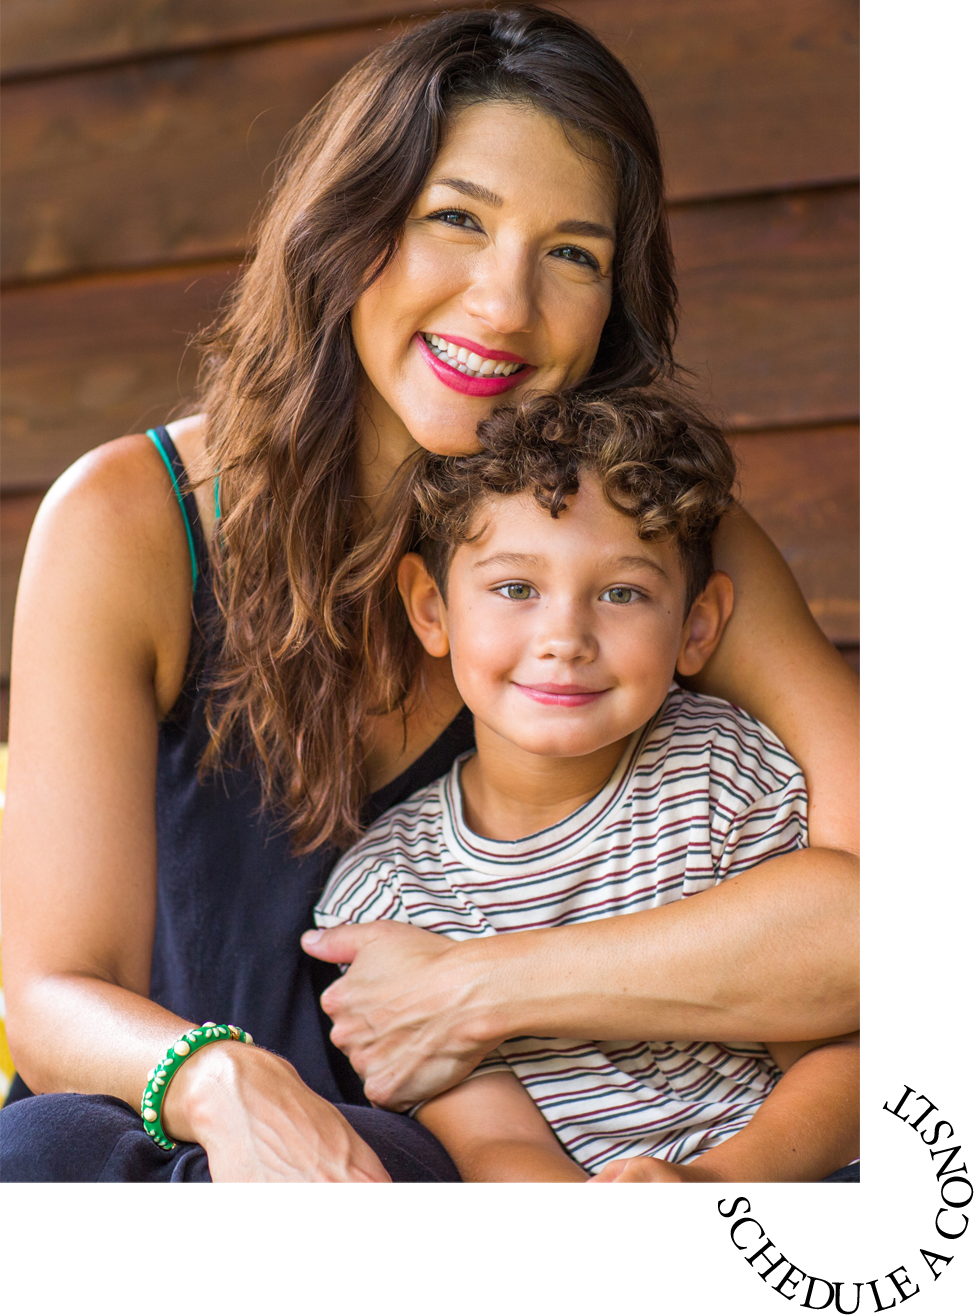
(657, 459)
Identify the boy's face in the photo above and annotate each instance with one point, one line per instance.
(564, 633)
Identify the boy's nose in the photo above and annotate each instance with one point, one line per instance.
(565, 636)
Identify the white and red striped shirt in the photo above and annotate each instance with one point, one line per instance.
(701, 793)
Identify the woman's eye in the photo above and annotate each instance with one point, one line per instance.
(518, 593)
(455, 218)
(619, 593)
(577, 255)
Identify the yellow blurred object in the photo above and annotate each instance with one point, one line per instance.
(6, 1063)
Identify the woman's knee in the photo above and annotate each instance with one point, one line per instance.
(68, 1138)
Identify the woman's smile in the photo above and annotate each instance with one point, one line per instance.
(471, 369)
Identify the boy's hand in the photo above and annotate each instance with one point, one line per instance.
(645, 1169)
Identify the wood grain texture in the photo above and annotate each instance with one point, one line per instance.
(748, 95)
(45, 34)
(168, 158)
(802, 487)
(17, 514)
(87, 360)
(769, 288)
(155, 162)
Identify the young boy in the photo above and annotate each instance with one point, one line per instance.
(567, 571)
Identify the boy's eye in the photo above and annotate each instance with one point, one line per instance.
(619, 593)
(517, 592)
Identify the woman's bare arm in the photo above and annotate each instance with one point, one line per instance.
(100, 645)
(774, 662)
(771, 955)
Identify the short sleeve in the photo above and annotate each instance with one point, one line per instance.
(360, 892)
(774, 824)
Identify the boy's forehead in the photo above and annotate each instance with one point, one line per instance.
(588, 530)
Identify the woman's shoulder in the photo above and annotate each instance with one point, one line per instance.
(109, 539)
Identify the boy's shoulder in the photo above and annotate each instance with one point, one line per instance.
(415, 823)
(734, 747)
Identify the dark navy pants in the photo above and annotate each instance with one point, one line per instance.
(98, 1139)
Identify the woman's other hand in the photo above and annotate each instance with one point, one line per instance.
(259, 1123)
(403, 1013)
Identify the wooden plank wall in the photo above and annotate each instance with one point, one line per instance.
(138, 138)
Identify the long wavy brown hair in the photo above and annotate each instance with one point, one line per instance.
(309, 619)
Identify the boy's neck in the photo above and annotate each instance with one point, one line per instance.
(509, 793)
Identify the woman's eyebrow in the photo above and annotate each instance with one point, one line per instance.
(585, 228)
(477, 192)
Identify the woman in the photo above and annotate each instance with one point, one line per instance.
(489, 184)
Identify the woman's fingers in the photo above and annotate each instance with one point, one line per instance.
(339, 944)
(399, 1013)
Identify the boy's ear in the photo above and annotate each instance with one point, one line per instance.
(705, 623)
(423, 605)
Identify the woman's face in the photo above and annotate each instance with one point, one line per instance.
(507, 255)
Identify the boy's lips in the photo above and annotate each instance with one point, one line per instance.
(560, 696)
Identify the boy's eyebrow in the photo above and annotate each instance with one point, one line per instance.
(634, 563)
(631, 563)
(508, 559)
(477, 192)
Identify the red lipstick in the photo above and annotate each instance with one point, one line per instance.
(467, 383)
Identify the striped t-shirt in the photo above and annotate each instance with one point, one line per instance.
(701, 793)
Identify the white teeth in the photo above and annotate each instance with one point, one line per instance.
(469, 363)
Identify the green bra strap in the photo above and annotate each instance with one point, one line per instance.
(179, 497)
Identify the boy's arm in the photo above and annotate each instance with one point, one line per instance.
(495, 1133)
(806, 1129)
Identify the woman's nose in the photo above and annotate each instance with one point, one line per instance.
(503, 293)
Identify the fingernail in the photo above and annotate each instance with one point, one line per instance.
(311, 937)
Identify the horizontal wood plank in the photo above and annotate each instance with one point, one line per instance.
(40, 35)
(168, 158)
(17, 512)
(769, 325)
(802, 487)
(769, 287)
(88, 360)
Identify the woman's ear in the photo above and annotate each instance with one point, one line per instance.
(423, 604)
(705, 623)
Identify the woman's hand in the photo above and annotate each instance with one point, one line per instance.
(403, 1013)
(259, 1123)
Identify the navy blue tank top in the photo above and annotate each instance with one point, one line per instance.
(233, 899)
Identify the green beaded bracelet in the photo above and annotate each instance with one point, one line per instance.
(178, 1053)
